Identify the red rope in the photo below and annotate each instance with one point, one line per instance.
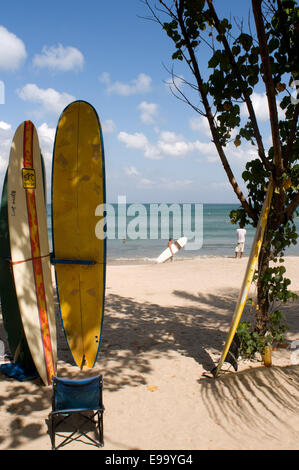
(12, 263)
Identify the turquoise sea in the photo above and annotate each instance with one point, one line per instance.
(218, 234)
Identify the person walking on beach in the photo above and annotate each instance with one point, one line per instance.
(241, 234)
(169, 246)
(170, 243)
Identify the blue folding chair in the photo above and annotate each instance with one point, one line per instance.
(77, 397)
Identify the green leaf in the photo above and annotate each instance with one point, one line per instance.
(246, 41)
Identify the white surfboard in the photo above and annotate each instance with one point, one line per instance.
(30, 256)
(176, 246)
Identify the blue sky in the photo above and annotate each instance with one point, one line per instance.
(157, 149)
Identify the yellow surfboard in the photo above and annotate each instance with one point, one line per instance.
(30, 255)
(250, 269)
(78, 187)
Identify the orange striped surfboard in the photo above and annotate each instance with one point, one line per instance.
(30, 256)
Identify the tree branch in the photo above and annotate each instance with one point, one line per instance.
(182, 96)
(243, 87)
(247, 207)
(270, 89)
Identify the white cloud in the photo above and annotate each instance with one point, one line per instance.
(59, 58)
(109, 126)
(12, 50)
(46, 136)
(50, 99)
(147, 182)
(201, 124)
(168, 144)
(170, 137)
(137, 140)
(244, 153)
(235, 155)
(141, 84)
(3, 165)
(207, 150)
(152, 152)
(174, 145)
(5, 126)
(260, 105)
(179, 148)
(131, 171)
(148, 112)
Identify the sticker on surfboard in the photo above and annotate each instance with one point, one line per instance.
(29, 179)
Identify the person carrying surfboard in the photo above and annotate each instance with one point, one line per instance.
(241, 234)
(169, 246)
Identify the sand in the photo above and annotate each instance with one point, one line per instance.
(164, 330)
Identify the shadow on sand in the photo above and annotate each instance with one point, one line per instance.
(134, 334)
(263, 400)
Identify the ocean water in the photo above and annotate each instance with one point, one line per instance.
(130, 231)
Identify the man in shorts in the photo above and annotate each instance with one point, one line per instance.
(241, 234)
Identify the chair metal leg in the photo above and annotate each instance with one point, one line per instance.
(96, 419)
(52, 432)
(100, 428)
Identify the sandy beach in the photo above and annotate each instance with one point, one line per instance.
(164, 330)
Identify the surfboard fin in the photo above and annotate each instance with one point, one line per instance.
(83, 362)
(232, 355)
(233, 352)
